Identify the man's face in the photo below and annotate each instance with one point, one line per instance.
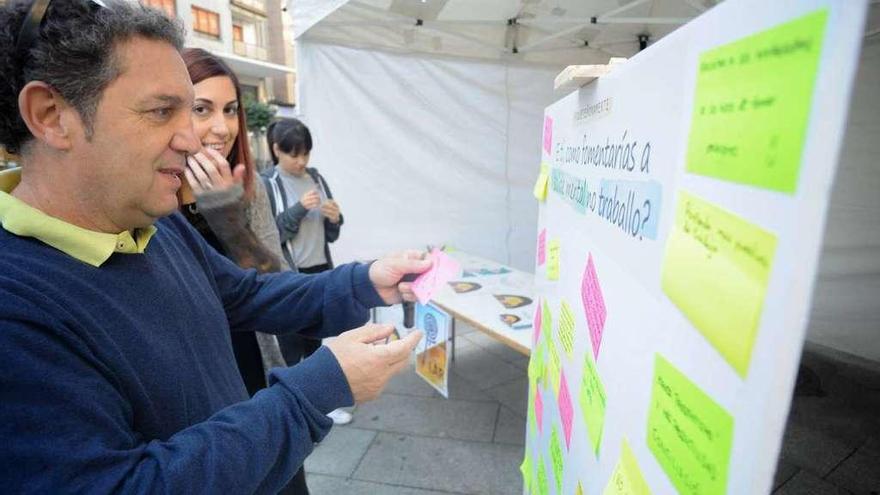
(131, 169)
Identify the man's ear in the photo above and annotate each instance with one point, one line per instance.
(48, 116)
(276, 149)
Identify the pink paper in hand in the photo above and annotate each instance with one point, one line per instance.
(442, 271)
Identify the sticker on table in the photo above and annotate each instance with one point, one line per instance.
(557, 459)
(592, 402)
(512, 301)
(431, 352)
(688, 432)
(752, 105)
(566, 412)
(513, 321)
(553, 248)
(594, 305)
(566, 328)
(627, 478)
(548, 133)
(542, 247)
(716, 270)
(464, 287)
(443, 269)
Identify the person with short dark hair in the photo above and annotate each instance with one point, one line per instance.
(308, 219)
(116, 367)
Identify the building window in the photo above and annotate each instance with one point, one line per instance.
(237, 33)
(166, 6)
(206, 22)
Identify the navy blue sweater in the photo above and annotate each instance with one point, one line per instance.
(122, 378)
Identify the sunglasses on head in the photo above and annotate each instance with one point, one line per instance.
(30, 28)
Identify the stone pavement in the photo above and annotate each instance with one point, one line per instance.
(412, 441)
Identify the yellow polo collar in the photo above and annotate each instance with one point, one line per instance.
(85, 245)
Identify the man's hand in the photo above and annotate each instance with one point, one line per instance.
(330, 209)
(311, 199)
(386, 274)
(369, 364)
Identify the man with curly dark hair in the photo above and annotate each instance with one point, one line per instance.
(116, 368)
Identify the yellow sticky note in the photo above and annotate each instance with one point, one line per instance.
(627, 478)
(579, 490)
(592, 400)
(716, 270)
(752, 104)
(543, 488)
(526, 469)
(553, 249)
(557, 459)
(688, 433)
(540, 190)
(566, 328)
(554, 367)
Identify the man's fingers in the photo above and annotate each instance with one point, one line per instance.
(414, 254)
(371, 332)
(402, 348)
(409, 265)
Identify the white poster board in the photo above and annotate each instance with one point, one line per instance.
(678, 244)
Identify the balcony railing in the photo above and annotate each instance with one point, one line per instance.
(250, 50)
(258, 6)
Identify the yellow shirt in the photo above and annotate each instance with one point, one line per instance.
(85, 245)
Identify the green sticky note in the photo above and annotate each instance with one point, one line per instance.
(627, 478)
(554, 367)
(543, 488)
(566, 328)
(546, 318)
(526, 469)
(716, 270)
(557, 459)
(553, 248)
(536, 363)
(533, 425)
(688, 432)
(752, 103)
(592, 400)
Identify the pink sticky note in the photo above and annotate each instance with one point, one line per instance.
(442, 271)
(536, 324)
(594, 305)
(542, 247)
(548, 133)
(565, 410)
(539, 408)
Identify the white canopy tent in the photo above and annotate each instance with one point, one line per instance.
(427, 124)
(427, 114)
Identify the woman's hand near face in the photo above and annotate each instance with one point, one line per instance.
(208, 170)
(310, 200)
(330, 209)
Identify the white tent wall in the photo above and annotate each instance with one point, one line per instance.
(846, 302)
(423, 150)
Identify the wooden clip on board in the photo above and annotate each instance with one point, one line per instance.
(575, 76)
